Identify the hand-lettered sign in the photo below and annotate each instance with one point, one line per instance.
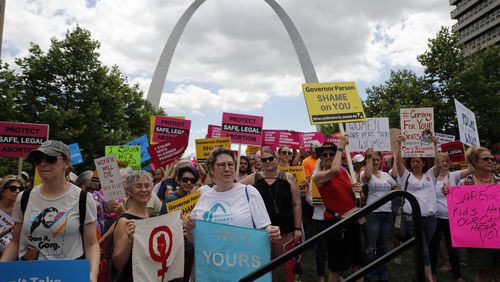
(205, 146)
(243, 129)
(443, 138)
(333, 102)
(158, 249)
(227, 253)
(373, 133)
(167, 127)
(143, 143)
(110, 178)
(455, 151)
(214, 131)
(252, 150)
(467, 125)
(169, 151)
(417, 124)
(298, 173)
(474, 216)
(18, 139)
(127, 154)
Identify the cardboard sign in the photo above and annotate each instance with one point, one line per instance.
(76, 155)
(243, 129)
(143, 143)
(252, 150)
(417, 124)
(127, 154)
(186, 204)
(467, 125)
(443, 138)
(373, 133)
(455, 151)
(158, 249)
(167, 127)
(168, 152)
(110, 178)
(474, 216)
(18, 139)
(395, 132)
(333, 102)
(227, 253)
(306, 138)
(205, 146)
(298, 173)
(46, 270)
(214, 131)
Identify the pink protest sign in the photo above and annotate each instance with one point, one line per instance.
(306, 138)
(18, 139)
(169, 151)
(243, 129)
(474, 215)
(269, 138)
(288, 138)
(167, 127)
(213, 131)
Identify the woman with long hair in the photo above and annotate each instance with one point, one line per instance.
(10, 187)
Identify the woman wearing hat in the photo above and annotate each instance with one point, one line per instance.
(48, 228)
(10, 187)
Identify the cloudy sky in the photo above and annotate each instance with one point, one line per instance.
(235, 55)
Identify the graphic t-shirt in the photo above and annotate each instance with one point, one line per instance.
(377, 188)
(423, 189)
(51, 225)
(232, 207)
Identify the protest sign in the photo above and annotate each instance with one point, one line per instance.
(169, 151)
(288, 138)
(417, 124)
(46, 270)
(474, 216)
(269, 138)
(143, 143)
(127, 154)
(110, 178)
(333, 102)
(205, 146)
(6, 222)
(298, 173)
(18, 139)
(443, 138)
(214, 131)
(76, 155)
(467, 125)
(227, 253)
(167, 127)
(306, 138)
(455, 151)
(373, 133)
(316, 196)
(243, 129)
(186, 204)
(252, 150)
(395, 132)
(158, 249)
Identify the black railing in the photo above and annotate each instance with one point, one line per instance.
(415, 241)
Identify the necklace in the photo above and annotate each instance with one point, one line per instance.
(482, 180)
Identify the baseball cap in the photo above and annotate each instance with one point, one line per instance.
(326, 146)
(315, 144)
(52, 148)
(358, 158)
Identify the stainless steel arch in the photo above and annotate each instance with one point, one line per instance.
(160, 74)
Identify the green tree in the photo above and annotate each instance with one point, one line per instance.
(81, 99)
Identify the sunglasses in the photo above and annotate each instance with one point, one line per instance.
(326, 155)
(269, 159)
(14, 188)
(188, 180)
(48, 159)
(288, 153)
(491, 159)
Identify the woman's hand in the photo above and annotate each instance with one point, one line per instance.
(130, 229)
(357, 188)
(445, 189)
(188, 222)
(369, 153)
(273, 232)
(401, 138)
(297, 236)
(118, 207)
(344, 140)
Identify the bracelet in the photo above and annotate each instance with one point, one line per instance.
(298, 229)
(340, 149)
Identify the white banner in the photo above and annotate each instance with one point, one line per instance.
(467, 125)
(417, 124)
(158, 251)
(443, 138)
(373, 133)
(110, 178)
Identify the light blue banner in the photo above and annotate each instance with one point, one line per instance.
(45, 270)
(76, 156)
(227, 253)
(143, 143)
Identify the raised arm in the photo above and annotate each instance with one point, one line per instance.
(323, 176)
(465, 172)
(296, 160)
(399, 158)
(437, 158)
(369, 166)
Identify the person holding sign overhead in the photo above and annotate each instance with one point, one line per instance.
(48, 226)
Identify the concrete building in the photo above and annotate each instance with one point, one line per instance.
(478, 23)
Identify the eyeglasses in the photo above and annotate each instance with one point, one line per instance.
(222, 166)
(139, 186)
(288, 153)
(188, 180)
(37, 160)
(491, 159)
(14, 188)
(269, 159)
(326, 155)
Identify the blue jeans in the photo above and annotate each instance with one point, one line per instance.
(377, 229)
(428, 228)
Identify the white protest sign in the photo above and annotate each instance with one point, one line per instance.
(467, 125)
(110, 178)
(417, 124)
(373, 133)
(5, 223)
(443, 138)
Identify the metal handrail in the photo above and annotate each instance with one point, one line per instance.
(416, 240)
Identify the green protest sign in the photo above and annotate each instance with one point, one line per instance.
(128, 154)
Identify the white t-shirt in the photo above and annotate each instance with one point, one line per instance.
(51, 225)
(232, 207)
(422, 189)
(451, 178)
(379, 187)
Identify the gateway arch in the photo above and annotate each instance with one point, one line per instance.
(160, 74)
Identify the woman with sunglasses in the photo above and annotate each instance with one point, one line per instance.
(285, 155)
(62, 239)
(10, 187)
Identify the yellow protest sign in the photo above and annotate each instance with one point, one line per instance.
(316, 196)
(38, 180)
(298, 173)
(186, 204)
(205, 146)
(333, 102)
(252, 150)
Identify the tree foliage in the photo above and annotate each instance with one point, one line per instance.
(81, 99)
